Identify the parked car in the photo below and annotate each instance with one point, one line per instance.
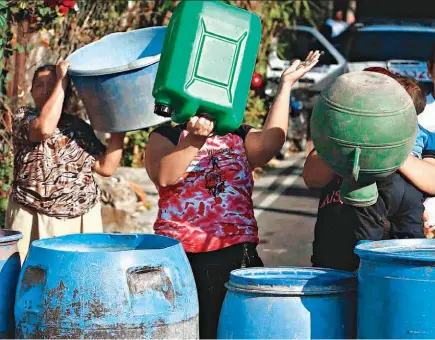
(403, 49)
(295, 43)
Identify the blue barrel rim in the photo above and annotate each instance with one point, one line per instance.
(397, 250)
(9, 235)
(44, 244)
(134, 65)
(338, 281)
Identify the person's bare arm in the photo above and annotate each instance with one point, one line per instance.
(262, 145)
(44, 125)
(316, 173)
(106, 164)
(165, 162)
(421, 173)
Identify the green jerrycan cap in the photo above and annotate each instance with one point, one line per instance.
(163, 110)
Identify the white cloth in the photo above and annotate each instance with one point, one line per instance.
(427, 120)
(427, 117)
(35, 226)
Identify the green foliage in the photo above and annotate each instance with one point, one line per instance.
(6, 172)
(13, 12)
(255, 111)
(134, 147)
(37, 12)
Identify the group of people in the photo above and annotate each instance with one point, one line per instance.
(404, 208)
(204, 182)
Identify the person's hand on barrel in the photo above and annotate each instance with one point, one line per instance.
(298, 69)
(200, 128)
(62, 72)
(429, 229)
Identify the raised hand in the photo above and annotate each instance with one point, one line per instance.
(297, 69)
(62, 69)
(200, 126)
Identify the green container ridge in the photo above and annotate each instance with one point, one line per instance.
(363, 126)
(207, 62)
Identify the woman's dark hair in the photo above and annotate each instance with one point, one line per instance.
(52, 68)
(413, 87)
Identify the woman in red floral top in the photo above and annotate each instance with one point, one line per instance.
(55, 155)
(205, 185)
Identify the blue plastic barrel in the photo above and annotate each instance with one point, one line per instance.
(289, 303)
(10, 266)
(396, 289)
(117, 286)
(114, 77)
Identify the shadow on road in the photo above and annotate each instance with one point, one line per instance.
(288, 211)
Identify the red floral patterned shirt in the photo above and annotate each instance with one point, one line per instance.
(210, 207)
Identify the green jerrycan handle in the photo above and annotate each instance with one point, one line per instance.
(357, 194)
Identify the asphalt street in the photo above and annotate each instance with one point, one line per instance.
(286, 213)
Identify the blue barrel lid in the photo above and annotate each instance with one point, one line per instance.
(105, 243)
(416, 250)
(7, 235)
(291, 281)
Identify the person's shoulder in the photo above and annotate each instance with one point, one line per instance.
(171, 132)
(243, 131)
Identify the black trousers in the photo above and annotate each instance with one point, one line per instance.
(211, 271)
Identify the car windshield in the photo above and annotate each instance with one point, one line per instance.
(293, 44)
(386, 45)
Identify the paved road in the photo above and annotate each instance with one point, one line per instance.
(286, 213)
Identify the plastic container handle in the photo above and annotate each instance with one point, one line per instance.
(356, 167)
(147, 278)
(33, 284)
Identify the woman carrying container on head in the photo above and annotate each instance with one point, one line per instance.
(205, 185)
(55, 154)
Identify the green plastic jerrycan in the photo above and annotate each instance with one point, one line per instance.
(363, 126)
(207, 63)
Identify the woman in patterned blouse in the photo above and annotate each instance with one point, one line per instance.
(55, 154)
(205, 186)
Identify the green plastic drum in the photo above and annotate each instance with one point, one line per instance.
(363, 126)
